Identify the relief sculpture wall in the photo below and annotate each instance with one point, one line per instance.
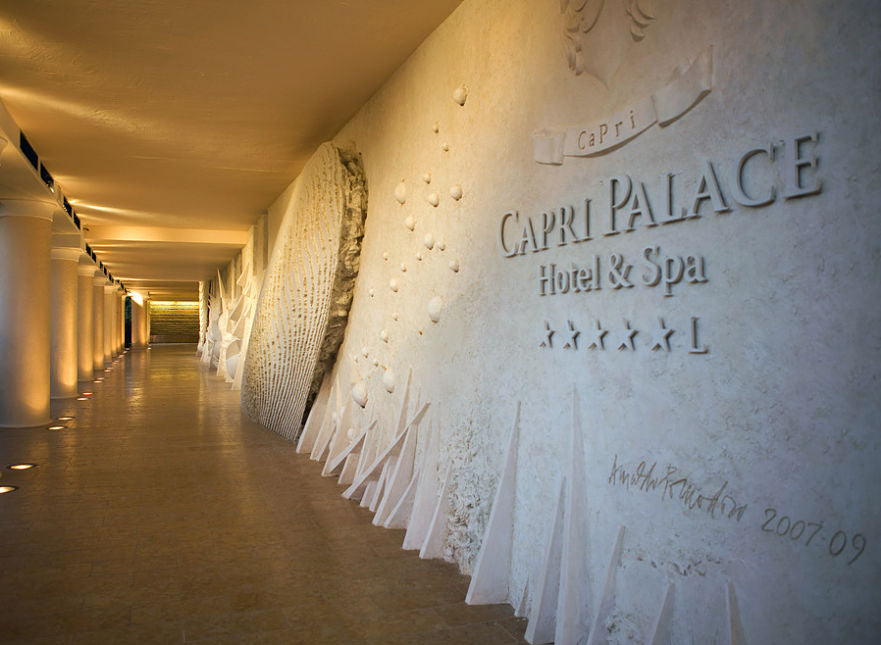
(613, 346)
(307, 290)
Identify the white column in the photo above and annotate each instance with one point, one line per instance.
(147, 321)
(108, 322)
(98, 283)
(114, 322)
(25, 242)
(203, 314)
(85, 321)
(120, 320)
(64, 292)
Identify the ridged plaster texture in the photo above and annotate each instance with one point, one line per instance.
(303, 306)
(678, 504)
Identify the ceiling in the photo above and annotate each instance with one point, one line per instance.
(171, 126)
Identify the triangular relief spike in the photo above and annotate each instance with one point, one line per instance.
(543, 613)
(489, 582)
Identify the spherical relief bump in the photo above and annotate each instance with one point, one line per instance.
(359, 393)
(401, 192)
(388, 380)
(435, 305)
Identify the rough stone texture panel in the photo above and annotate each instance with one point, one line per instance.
(303, 308)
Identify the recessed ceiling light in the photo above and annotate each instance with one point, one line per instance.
(65, 418)
(86, 393)
(7, 489)
(82, 398)
(56, 427)
(21, 466)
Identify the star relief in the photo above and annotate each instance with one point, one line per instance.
(626, 337)
(549, 336)
(573, 341)
(597, 336)
(661, 337)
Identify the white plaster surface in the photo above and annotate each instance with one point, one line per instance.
(781, 410)
(303, 306)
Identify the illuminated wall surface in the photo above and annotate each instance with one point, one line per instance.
(174, 321)
(651, 228)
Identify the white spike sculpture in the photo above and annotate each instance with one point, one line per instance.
(346, 455)
(607, 600)
(375, 471)
(400, 477)
(735, 625)
(319, 409)
(340, 438)
(543, 613)
(433, 546)
(660, 635)
(489, 582)
(328, 424)
(425, 498)
(574, 603)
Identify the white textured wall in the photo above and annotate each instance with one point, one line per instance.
(782, 410)
(303, 302)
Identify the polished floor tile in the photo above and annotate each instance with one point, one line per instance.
(161, 514)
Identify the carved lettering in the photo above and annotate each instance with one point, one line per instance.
(507, 252)
(740, 194)
(616, 202)
(619, 272)
(527, 239)
(567, 217)
(795, 183)
(708, 189)
(798, 164)
(696, 348)
(652, 275)
(639, 206)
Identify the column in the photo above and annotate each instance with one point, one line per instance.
(121, 296)
(120, 320)
(114, 321)
(203, 314)
(85, 321)
(25, 242)
(64, 291)
(98, 283)
(108, 322)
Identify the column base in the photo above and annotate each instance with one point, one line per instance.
(47, 422)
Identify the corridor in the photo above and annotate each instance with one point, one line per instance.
(160, 514)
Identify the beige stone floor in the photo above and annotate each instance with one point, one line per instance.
(161, 514)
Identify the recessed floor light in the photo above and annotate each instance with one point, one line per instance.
(82, 398)
(65, 418)
(7, 489)
(21, 466)
(56, 427)
(86, 393)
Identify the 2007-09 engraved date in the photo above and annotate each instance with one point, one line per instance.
(799, 529)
